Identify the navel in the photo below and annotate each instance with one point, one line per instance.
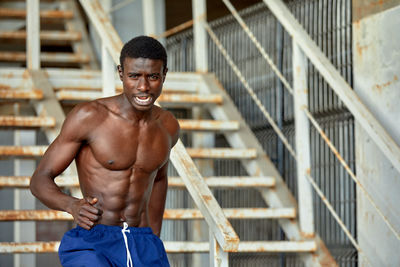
(110, 162)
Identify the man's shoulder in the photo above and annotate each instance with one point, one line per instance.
(167, 117)
(169, 122)
(93, 110)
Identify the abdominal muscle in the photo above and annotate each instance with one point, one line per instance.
(122, 195)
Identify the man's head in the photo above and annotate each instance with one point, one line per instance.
(142, 71)
(144, 47)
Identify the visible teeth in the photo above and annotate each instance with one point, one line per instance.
(143, 99)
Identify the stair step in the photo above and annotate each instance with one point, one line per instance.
(169, 214)
(19, 121)
(45, 14)
(26, 151)
(244, 246)
(190, 99)
(222, 153)
(214, 182)
(44, 35)
(51, 57)
(167, 100)
(208, 125)
(20, 94)
(209, 153)
(176, 247)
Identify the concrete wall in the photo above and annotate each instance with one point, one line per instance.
(377, 82)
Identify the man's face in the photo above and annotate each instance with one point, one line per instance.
(142, 80)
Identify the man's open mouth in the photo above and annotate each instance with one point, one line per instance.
(143, 100)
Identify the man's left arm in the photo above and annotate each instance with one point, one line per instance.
(160, 186)
(157, 199)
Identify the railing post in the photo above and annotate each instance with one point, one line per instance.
(218, 257)
(107, 62)
(149, 17)
(33, 34)
(200, 35)
(302, 137)
(107, 72)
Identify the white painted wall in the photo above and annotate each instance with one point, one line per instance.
(377, 82)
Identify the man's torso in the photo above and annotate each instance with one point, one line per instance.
(118, 163)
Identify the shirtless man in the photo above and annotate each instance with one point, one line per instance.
(121, 146)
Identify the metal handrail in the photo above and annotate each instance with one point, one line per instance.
(198, 189)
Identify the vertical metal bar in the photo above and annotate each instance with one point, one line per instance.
(279, 114)
(149, 17)
(32, 40)
(200, 35)
(302, 137)
(108, 72)
(23, 198)
(218, 257)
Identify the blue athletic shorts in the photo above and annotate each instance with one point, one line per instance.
(104, 245)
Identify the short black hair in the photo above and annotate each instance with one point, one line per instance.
(145, 47)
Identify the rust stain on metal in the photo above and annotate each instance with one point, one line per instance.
(380, 87)
(29, 247)
(176, 29)
(27, 121)
(360, 48)
(22, 150)
(21, 94)
(48, 14)
(4, 86)
(207, 198)
(324, 256)
(33, 215)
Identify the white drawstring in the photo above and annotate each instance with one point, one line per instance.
(128, 254)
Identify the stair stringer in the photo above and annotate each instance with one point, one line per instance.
(50, 106)
(84, 46)
(278, 197)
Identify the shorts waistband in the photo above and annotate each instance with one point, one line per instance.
(117, 229)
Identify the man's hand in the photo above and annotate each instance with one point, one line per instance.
(84, 213)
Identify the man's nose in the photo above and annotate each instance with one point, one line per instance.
(143, 84)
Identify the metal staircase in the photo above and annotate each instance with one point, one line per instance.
(49, 91)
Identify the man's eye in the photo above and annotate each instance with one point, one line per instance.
(133, 76)
(154, 77)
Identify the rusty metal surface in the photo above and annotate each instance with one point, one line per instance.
(28, 151)
(46, 14)
(44, 35)
(190, 98)
(169, 214)
(46, 57)
(277, 246)
(215, 182)
(226, 153)
(364, 8)
(176, 29)
(29, 247)
(21, 94)
(34, 215)
(18, 121)
(169, 98)
(208, 125)
(174, 247)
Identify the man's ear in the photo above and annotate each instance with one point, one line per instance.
(165, 73)
(120, 72)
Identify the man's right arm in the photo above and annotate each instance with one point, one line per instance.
(56, 159)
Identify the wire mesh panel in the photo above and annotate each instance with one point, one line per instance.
(328, 22)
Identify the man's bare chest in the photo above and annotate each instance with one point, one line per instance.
(122, 147)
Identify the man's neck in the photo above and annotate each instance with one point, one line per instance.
(129, 112)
